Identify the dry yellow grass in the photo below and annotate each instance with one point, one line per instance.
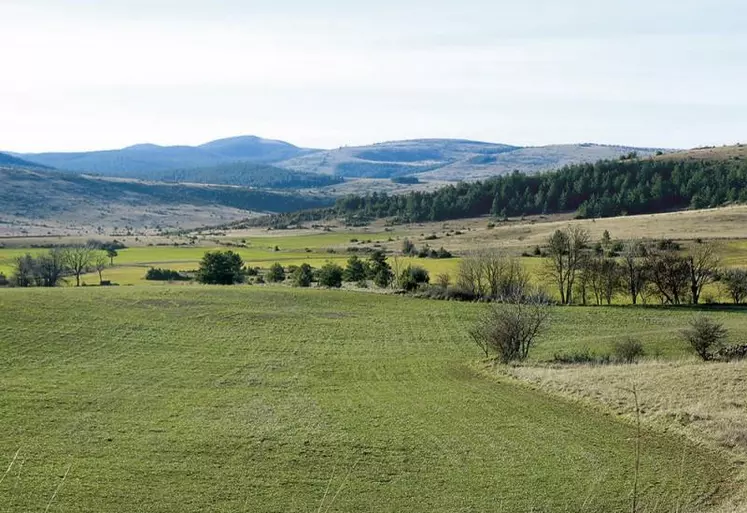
(737, 151)
(705, 402)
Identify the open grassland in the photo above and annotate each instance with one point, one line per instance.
(707, 403)
(273, 399)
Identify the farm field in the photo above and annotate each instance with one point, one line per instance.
(278, 399)
(723, 226)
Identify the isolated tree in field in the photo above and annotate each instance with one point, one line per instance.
(566, 252)
(78, 259)
(735, 282)
(703, 266)
(408, 248)
(221, 268)
(100, 262)
(510, 330)
(633, 270)
(111, 253)
(705, 336)
(355, 270)
(303, 276)
(330, 275)
(276, 274)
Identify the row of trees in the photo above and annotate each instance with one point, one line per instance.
(50, 268)
(642, 271)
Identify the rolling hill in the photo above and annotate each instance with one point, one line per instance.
(10, 161)
(225, 161)
(41, 202)
(247, 174)
(140, 160)
(450, 159)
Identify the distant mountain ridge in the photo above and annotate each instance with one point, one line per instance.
(10, 161)
(452, 159)
(143, 158)
(224, 161)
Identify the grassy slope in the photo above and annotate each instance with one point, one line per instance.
(248, 399)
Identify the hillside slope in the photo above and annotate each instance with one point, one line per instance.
(10, 161)
(38, 202)
(139, 160)
(248, 174)
(451, 160)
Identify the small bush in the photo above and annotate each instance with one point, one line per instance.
(330, 275)
(412, 277)
(157, 274)
(4, 280)
(731, 353)
(432, 236)
(705, 336)
(276, 274)
(581, 357)
(303, 276)
(628, 351)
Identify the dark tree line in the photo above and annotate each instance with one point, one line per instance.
(604, 189)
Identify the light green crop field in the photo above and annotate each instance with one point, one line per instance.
(262, 399)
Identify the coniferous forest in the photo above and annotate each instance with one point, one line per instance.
(604, 189)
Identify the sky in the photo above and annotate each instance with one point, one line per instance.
(86, 74)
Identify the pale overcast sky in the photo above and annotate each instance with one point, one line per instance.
(89, 74)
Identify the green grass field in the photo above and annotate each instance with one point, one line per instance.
(264, 399)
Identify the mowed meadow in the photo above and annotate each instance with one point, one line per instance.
(279, 399)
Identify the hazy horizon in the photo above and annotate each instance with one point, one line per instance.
(83, 76)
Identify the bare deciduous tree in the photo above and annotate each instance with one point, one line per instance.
(510, 329)
(735, 282)
(703, 267)
(670, 273)
(78, 260)
(633, 275)
(566, 252)
(493, 274)
(100, 262)
(50, 268)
